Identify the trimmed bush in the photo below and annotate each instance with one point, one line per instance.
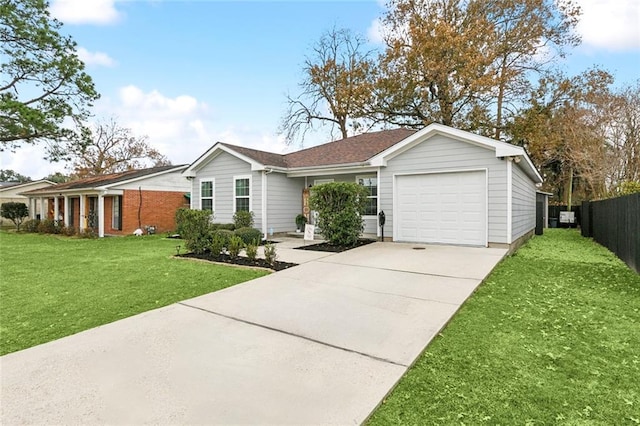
(31, 225)
(225, 226)
(49, 226)
(243, 219)
(15, 212)
(194, 226)
(224, 234)
(234, 246)
(218, 243)
(69, 231)
(249, 235)
(340, 206)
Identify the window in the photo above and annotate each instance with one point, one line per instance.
(116, 213)
(242, 199)
(206, 194)
(371, 183)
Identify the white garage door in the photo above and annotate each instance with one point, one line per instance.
(448, 208)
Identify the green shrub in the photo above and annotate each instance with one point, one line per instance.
(15, 212)
(88, 233)
(243, 219)
(252, 250)
(249, 235)
(49, 226)
(31, 225)
(234, 246)
(301, 221)
(628, 187)
(224, 234)
(194, 226)
(270, 254)
(218, 243)
(340, 206)
(226, 226)
(69, 231)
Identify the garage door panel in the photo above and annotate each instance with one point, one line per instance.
(445, 208)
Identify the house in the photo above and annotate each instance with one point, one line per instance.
(10, 193)
(119, 203)
(436, 185)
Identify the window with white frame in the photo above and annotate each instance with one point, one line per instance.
(242, 193)
(371, 183)
(206, 194)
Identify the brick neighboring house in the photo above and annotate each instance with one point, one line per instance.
(119, 203)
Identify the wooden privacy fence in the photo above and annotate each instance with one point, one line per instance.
(615, 223)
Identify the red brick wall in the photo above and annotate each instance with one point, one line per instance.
(158, 209)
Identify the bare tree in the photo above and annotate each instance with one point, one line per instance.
(114, 149)
(336, 85)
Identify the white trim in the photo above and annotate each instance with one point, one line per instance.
(132, 180)
(213, 193)
(66, 210)
(233, 191)
(378, 233)
(56, 209)
(100, 215)
(264, 203)
(509, 201)
(321, 181)
(433, 172)
(370, 175)
(344, 169)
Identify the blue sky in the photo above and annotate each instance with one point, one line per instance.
(190, 73)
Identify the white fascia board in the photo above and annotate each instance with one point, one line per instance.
(332, 170)
(128, 181)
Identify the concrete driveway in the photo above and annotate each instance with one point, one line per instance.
(321, 343)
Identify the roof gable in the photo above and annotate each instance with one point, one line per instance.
(104, 181)
(24, 185)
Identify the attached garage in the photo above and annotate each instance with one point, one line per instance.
(446, 186)
(447, 207)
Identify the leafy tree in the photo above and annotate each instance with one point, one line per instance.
(336, 86)
(58, 177)
(15, 212)
(8, 175)
(340, 206)
(466, 63)
(565, 131)
(42, 80)
(629, 187)
(114, 149)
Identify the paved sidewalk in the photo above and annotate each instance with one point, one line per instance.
(321, 343)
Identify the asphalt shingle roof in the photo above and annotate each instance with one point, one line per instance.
(102, 180)
(355, 149)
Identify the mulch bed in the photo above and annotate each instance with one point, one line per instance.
(333, 248)
(241, 261)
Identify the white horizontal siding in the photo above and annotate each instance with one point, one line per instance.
(523, 203)
(284, 202)
(441, 153)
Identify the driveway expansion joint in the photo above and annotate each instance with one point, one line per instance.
(277, 330)
(404, 271)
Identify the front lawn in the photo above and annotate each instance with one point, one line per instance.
(53, 286)
(551, 337)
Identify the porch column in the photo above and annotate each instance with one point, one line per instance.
(32, 208)
(56, 209)
(100, 215)
(66, 210)
(43, 209)
(82, 216)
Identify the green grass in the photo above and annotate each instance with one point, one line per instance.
(53, 286)
(551, 337)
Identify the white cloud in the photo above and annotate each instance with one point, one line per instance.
(100, 12)
(28, 160)
(375, 32)
(95, 58)
(610, 25)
